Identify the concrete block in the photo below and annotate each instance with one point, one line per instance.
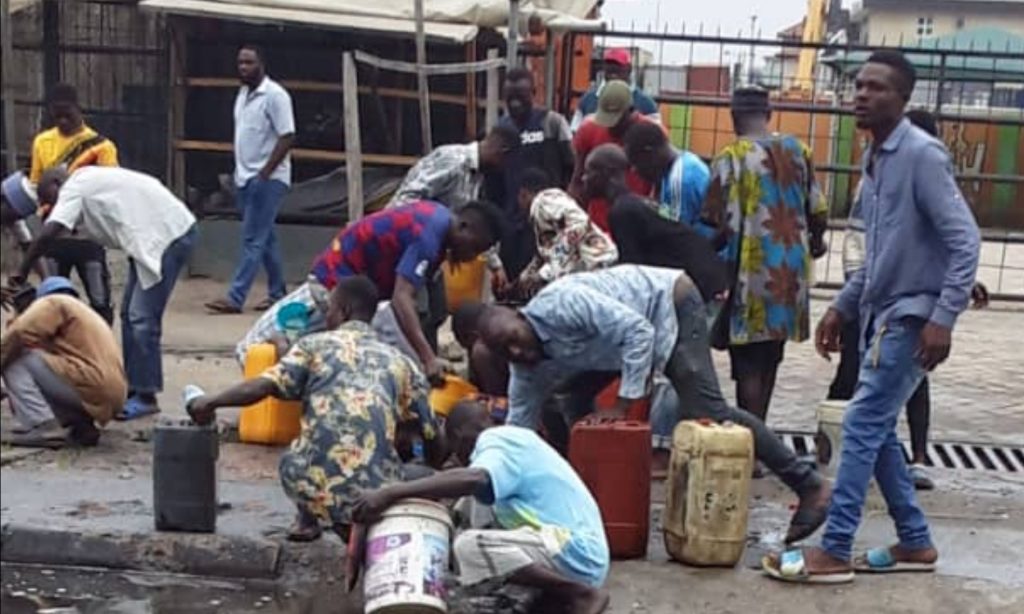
(187, 553)
(216, 253)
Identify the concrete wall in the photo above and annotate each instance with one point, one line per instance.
(217, 252)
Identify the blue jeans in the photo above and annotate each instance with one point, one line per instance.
(142, 313)
(258, 202)
(889, 374)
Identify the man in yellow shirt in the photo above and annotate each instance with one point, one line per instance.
(73, 144)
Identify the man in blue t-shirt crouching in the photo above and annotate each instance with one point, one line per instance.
(551, 536)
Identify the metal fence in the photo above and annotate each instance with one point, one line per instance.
(114, 54)
(974, 88)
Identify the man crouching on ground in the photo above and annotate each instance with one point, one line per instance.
(551, 539)
(355, 391)
(61, 366)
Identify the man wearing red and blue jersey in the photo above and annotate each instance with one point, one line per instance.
(400, 249)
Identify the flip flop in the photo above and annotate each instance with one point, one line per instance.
(265, 304)
(222, 307)
(792, 568)
(881, 560)
(920, 478)
(135, 409)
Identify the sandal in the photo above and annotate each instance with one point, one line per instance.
(265, 304)
(136, 408)
(920, 478)
(222, 307)
(882, 560)
(790, 566)
(48, 434)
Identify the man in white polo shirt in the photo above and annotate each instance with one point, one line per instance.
(135, 213)
(264, 133)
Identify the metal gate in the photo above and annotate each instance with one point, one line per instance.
(115, 56)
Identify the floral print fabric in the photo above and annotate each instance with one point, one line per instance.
(763, 194)
(354, 389)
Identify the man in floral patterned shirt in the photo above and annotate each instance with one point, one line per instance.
(765, 202)
(567, 241)
(356, 392)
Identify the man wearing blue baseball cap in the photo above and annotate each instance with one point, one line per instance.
(62, 368)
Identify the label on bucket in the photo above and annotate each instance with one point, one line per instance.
(405, 564)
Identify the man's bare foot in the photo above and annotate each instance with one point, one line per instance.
(810, 514)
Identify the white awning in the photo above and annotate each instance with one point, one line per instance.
(455, 20)
(220, 9)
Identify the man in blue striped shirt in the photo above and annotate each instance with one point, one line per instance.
(631, 321)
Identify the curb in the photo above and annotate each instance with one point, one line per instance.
(185, 553)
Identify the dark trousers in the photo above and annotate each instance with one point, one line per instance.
(518, 247)
(89, 260)
(845, 382)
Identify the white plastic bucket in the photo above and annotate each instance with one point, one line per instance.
(829, 442)
(407, 559)
(830, 435)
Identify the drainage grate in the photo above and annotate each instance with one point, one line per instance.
(949, 455)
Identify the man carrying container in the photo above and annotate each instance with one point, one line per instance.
(583, 330)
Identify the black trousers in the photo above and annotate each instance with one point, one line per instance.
(845, 381)
(89, 260)
(518, 247)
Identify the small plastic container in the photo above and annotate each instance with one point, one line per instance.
(185, 476)
(638, 410)
(455, 389)
(270, 421)
(464, 282)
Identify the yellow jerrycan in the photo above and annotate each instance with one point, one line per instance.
(270, 421)
(708, 493)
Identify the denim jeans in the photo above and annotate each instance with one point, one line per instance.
(693, 376)
(258, 201)
(142, 313)
(889, 373)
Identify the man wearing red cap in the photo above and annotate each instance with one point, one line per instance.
(618, 66)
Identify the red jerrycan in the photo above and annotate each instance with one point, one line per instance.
(614, 460)
(605, 400)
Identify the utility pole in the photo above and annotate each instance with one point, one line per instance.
(513, 34)
(753, 53)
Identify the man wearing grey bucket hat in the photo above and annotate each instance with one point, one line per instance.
(19, 203)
